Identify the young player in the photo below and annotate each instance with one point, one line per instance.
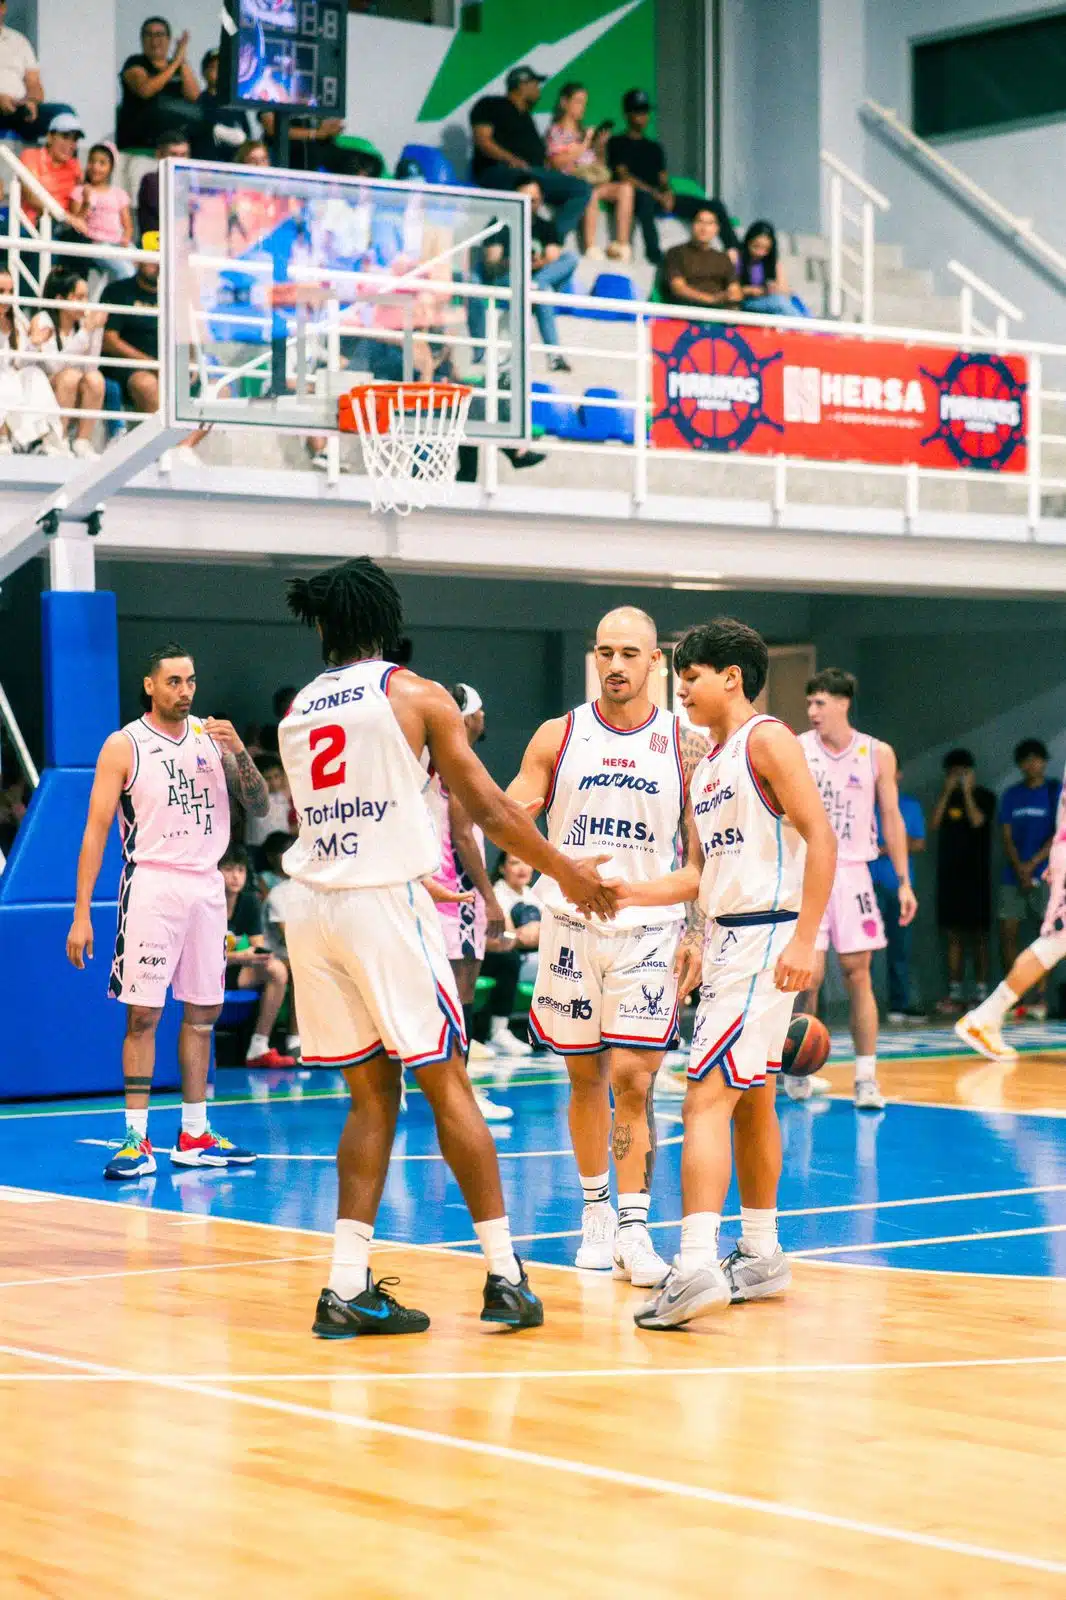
(856, 776)
(374, 989)
(761, 857)
(168, 776)
(613, 774)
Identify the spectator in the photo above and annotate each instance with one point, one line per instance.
(219, 130)
(29, 411)
(72, 329)
(103, 210)
(901, 1006)
(252, 153)
(278, 814)
(962, 822)
(503, 961)
(274, 847)
(312, 143)
(636, 159)
(23, 109)
(571, 150)
(553, 268)
(1027, 819)
(173, 142)
(55, 165)
(701, 272)
(249, 964)
(762, 282)
(158, 91)
(506, 142)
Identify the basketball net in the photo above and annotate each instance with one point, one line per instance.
(411, 433)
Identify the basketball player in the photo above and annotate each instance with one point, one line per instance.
(982, 1028)
(374, 989)
(761, 857)
(856, 777)
(613, 774)
(168, 776)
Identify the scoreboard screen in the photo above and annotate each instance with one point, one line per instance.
(285, 53)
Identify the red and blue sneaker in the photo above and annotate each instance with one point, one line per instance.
(209, 1149)
(134, 1160)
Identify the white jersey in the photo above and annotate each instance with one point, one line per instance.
(357, 790)
(174, 810)
(753, 856)
(847, 783)
(619, 793)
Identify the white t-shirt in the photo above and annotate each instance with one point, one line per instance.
(276, 820)
(509, 898)
(16, 59)
(275, 913)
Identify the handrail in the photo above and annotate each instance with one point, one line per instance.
(1018, 228)
(1000, 301)
(41, 197)
(860, 255)
(867, 190)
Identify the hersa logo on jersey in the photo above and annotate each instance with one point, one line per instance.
(585, 829)
(659, 744)
(727, 839)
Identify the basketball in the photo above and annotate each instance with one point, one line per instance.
(806, 1046)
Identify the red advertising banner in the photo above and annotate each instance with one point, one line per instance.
(829, 397)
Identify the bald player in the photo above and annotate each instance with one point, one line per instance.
(612, 776)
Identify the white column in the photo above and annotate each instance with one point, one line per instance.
(71, 558)
(77, 49)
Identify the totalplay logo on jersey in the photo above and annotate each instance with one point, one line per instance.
(566, 967)
(346, 811)
(620, 830)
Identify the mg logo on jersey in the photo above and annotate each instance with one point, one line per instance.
(565, 967)
(576, 832)
(659, 744)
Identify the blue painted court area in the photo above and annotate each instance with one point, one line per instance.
(912, 1187)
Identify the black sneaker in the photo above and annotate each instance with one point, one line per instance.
(513, 1304)
(373, 1311)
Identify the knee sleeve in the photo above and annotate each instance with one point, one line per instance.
(1049, 949)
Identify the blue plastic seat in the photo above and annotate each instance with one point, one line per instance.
(610, 286)
(237, 1007)
(555, 415)
(434, 164)
(604, 422)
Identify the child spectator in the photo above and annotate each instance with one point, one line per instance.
(104, 210)
(270, 875)
(279, 812)
(249, 964)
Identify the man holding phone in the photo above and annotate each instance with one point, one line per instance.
(962, 823)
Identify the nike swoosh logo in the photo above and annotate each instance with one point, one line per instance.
(373, 1311)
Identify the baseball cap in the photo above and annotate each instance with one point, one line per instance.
(636, 100)
(523, 74)
(66, 122)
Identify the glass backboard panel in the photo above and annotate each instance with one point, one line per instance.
(283, 289)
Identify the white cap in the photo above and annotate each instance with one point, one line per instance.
(474, 702)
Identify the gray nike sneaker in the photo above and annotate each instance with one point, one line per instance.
(868, 1096)
(684, 1296)
(756, 1277)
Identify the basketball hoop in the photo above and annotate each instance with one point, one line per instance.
(411, 433)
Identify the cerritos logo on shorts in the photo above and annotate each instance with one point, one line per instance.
(566, 966)
(620, 830)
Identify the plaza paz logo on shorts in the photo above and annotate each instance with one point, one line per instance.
(566, 966)
(622, 831)
(579, 1009)
(653, 1005)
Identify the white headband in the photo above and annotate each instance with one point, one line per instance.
(473, 701)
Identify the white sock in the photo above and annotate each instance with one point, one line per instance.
(865, 1068)
(758, 1231)
(500, 1025)
(597, 1190)
(999, 1002)
(138, 1121)
(258, 1046)
(292, 1043)
(633, 1210)
(495, 1239)
(350, 1273)
(699, 1240)
(194, 1118)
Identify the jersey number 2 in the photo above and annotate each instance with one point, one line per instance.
(327, 748)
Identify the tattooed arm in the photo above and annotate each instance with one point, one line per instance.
(244, 780)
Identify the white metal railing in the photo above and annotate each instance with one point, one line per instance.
(1018, 231)
(1006, 311)
(851, 239)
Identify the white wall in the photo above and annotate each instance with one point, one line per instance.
(770, 110)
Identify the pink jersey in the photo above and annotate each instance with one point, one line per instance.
(174, 810)
(847, 783)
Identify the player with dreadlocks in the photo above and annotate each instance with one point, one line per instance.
(374, 988)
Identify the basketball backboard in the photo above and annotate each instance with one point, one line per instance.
(280, 290)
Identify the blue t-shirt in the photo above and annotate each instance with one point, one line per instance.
(881, 870)
(1030, 815)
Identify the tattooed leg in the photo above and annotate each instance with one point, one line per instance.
(633, 1140)
(138, 1054)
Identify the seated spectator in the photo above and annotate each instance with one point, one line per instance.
(506, 141)
(103, 210)
(173, 142)
(962, 822)
(55, 165)
(249, 964)
(701, 272)
(29, 411)
(1027, 819)
(901, 1001)
(571, 150)
(275, 915)
(274, 847)
(219, 130)
(521, 908)
(159, 88)
(636, 159)
(23, 109)
(252, 153)
(278, 814)
(312, 144)
(762, 282)
(72, 329)
(503, 957)
(553, 268)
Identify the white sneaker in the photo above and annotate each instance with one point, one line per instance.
(505, 1043)
(599, 1224)
(985, 1037)
(1037, 1013)
(868, 1096)
(6, 447)
(636, 1259)
(491, 1110)
(669, 1082)
(797, 1088)
(84, 450)
(480, 1052)
(185, 456)
(756, 1277)
(55, 447)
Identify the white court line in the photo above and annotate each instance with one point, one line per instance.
(914, 1244)
(563, 1465)
(284, 1155)
(159, 1272)
(835, 1369)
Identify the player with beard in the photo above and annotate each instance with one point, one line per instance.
(612, 775)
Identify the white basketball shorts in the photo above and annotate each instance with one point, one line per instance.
(742, 1017)
(595, 990)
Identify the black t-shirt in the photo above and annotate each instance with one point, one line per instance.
(963, 850)
(544, 233)
(140, 122)
(247, 918)
(514, 130)
(141, 332)
(643, 158)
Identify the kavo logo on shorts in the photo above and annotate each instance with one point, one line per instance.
(152, 961)
(564, 967)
